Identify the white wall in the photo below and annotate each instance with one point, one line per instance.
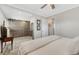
(21, 15)
(44, 27)
(67, 23)
(1, 18)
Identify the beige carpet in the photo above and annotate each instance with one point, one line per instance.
(16, 43)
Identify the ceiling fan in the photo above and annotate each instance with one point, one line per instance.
(51, 5)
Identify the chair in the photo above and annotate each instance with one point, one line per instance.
(4, 38)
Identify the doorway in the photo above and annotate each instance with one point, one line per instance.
(51, 27)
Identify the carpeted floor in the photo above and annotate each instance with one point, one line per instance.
(17, 41)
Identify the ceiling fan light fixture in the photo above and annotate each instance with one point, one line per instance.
(52, 6)
(43, 6)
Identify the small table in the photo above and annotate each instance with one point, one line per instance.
(7, 39)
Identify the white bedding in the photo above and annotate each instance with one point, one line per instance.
(50, 45)
(59, 47)
(30, 46)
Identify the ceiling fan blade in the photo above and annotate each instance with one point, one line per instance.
(52, 6)
(43, 6)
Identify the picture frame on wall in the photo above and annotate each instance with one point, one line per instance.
(38, 24)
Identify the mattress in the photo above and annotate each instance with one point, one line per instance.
(64, 46)
(30, 46)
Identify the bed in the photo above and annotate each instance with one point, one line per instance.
(30, 46)
(63, 46)
(50, 45)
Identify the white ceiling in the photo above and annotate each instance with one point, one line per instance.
(45, 12)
